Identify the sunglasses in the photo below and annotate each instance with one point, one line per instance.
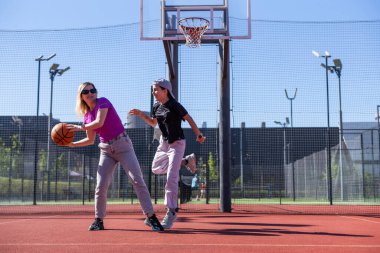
(93, 91)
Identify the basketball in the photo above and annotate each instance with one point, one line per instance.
(60, 134)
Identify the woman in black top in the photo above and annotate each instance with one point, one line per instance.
(168, 114)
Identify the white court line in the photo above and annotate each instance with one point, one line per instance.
(22, 220)
(362, 219)
(194, 244)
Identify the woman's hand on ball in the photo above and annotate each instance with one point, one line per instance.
(74, 128)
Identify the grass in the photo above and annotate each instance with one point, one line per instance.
(12, 196)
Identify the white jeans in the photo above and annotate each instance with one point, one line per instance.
(167, 160)
(110, 154)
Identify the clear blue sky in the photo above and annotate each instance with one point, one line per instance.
(44, 14)
(18, 15)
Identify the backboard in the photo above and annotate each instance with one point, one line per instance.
(229, 19)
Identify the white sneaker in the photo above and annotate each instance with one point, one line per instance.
(169, 219)
(191, 164)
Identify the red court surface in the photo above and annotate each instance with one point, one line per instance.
(193, 232)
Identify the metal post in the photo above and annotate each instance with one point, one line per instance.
(89, 178)
(241, 157)
(150, 149)
(53, 72)
(290, 151)
(207, 188)
(327, 68)
(56, 179)
(373, 166)
(378, 133)
(68, 174)
(83, 177)
(36, 138)
(224, 129)
(284, 125)
(291, 105)
(328, 134)
(35, 179)
(340, 140)
(362, 163)
(284, 136)
(49, 139)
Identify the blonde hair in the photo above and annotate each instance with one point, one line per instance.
(81, 108)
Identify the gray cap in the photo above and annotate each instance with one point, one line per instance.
(163, 83)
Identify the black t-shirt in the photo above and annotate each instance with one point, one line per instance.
(169, 116)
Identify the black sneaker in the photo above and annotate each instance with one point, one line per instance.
(97, 225)
(154, 223)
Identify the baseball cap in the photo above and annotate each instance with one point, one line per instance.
(163, 83)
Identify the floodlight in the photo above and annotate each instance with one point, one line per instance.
(61, 71)
(41, 58)
(315, 53)
(329, 68)
(283, 124)
(54, 67)
(51, 56)
(338, 64)
(327, 53)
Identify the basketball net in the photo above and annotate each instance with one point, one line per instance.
(193, 28)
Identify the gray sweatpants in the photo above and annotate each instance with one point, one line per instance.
(167, 160)
(110, 154)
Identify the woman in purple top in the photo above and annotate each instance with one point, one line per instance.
(100, 117)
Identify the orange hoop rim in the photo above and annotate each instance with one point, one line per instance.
(204, 25)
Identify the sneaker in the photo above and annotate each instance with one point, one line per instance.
(191, 164)
(154, 223)
(169, 219)
(97, 225)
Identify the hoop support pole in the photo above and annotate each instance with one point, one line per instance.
(169, 57)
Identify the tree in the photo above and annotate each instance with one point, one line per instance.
(42, 160)
(213, 174)
(10, 157)
(61, 165)
(16, 156)
(4, 158)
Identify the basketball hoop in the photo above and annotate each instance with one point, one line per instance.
(193, 28)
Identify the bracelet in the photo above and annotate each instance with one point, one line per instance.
(83, 126)
(200, 136)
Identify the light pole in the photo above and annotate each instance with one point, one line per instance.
(327, 68)
(53, 72)
(284, 125)
(242, 128)
(338, 70)
(290, 150)
(378, 128)
(291, 105)
(39, 59)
